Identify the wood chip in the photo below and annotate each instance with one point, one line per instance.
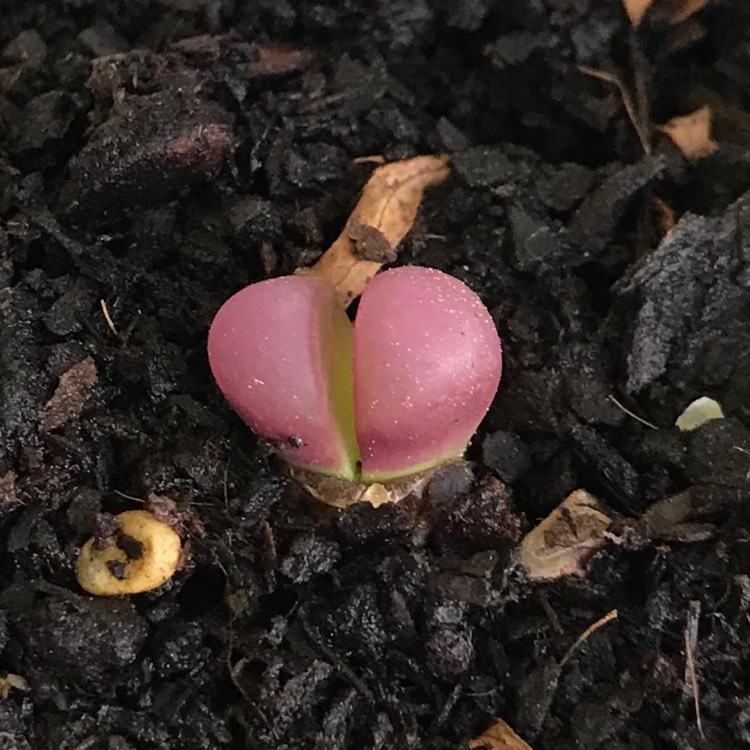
(385, 213)
(499, 737)
(71, 395)
(692, 133)
(564, 541)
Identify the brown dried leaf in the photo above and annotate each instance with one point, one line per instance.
(70, 396)
(562, 543)
(636, 9)
(692, 133)
(499, 737)
(383, 216)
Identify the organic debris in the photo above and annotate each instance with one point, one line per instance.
(12, 682)
(699, 412)
(673, 11)
(70, 396)
(380, 220)
(564, 541)
(637, 9)
(134, 553)
(499, 736)
(692, 133)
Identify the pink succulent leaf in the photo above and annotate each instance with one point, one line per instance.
(281, 352)
(427, 364)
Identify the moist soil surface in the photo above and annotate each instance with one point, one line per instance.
(155, 157)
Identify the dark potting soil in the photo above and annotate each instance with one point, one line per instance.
(157, 156)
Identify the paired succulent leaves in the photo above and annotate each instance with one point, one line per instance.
(400, 391)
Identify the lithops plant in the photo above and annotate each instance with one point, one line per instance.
(395, 394)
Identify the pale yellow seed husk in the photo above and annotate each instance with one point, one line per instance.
(162, 550)
(699, 412)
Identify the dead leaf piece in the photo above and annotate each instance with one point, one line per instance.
(677, 11)
(636, 9)
(341, 493)
(8, 491)
(276, 60)
(71, 395)
(672, 11)
(12, 681)
(636, 114)
(665, 214)
(381, 219)
(499, 737)
(692, 133)
(562, 543)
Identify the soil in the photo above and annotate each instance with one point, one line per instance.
(157, 156)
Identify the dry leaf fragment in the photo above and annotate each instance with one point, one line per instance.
(277, 59)
(673, 11)
(666, 215)
(70, 396)
(562, 543)
(692, 133)
(636, 9)
(677, 11)
(8, 496)
(636, 111)
(380, 220)
(12, 681)
(499, 737)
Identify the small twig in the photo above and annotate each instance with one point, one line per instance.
(691, 678)
(88, 742)
(375, 159)
(590, 630)
(630, 413)
(448, 706)
(108, 317)
(235, 676)
(225, 482)
(129, 497)
(346, 671)
(551, 614)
